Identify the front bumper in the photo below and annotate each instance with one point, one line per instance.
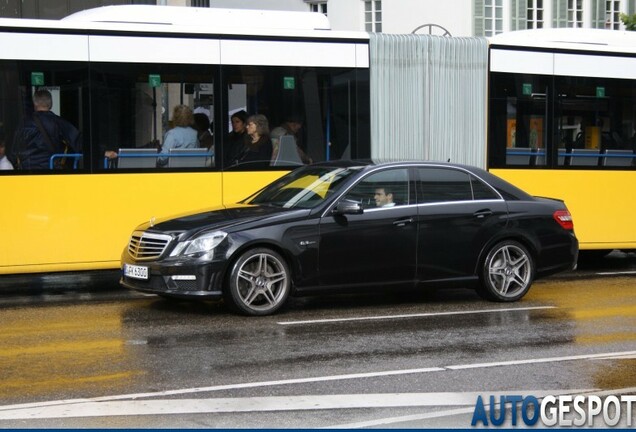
(177, 278)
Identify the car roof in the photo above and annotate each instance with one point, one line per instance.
(507, 190)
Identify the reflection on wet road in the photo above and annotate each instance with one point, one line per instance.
(603, 312)
(567, 333)
(62, 349)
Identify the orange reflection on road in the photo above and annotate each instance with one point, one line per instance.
(603, 310)
(57, 349)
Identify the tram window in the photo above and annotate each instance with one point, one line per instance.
(518, 120)
(317, 106)
(138, 101)
(595, 116)
(592, 125)
(26, 147)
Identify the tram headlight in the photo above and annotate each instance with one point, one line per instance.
(201, 244)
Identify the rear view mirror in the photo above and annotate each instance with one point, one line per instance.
(345, 207)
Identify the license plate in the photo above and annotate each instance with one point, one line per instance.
(135, 271)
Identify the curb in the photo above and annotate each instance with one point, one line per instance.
(40, 283)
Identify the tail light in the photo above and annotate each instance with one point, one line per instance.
(564, 218)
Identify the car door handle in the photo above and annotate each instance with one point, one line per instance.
(483, 213)
(403, 222)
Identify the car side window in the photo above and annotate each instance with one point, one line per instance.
(443, 184)
(388, 188)
(482, 191)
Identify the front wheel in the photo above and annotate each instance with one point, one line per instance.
(259, 282)
(507, 272)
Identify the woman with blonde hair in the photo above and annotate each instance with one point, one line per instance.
(182, 135)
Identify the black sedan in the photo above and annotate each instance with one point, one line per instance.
(356, 227)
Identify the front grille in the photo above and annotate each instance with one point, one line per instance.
(145, 246)
(186, 285)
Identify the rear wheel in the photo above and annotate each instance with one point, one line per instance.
(507, 272)
(259, 282)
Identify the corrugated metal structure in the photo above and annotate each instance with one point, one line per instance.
(428, 97)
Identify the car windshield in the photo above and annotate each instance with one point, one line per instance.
(304, 188)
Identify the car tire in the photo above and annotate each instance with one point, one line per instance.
(259, 282)
(507, 272)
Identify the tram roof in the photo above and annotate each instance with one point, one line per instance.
(191, 20)
(581, 39)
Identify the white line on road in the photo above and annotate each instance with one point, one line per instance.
(260, 404)
(228, 387)
(403, 419)
(418, 315)
(612, 355)
(542, 360)
(616, 273)
(628, 356)
(460, 411)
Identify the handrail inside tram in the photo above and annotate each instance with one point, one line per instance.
(75, 156)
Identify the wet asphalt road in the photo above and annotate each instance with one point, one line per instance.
(104, 357)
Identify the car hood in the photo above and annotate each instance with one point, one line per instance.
(226, 218)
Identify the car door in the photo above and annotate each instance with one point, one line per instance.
(376, 247)
(457, 215)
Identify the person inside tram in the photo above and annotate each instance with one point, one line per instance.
(182, 135)
(42, 135)
(235, 141)
(258, 146)
(5, 164)
(383, 197)
(291, 126)
(204, 132)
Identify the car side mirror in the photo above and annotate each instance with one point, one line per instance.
(346, 206)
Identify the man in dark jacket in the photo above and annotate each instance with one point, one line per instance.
(42, 135)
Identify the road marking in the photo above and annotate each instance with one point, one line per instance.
(261, 404)
(628, 356)
(228, 387)
(616, 273)
(612, 355)
(459, 411)
(542, 360)
(418, 315)
(402, 419)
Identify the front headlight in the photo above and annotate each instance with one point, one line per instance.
(203, 243)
